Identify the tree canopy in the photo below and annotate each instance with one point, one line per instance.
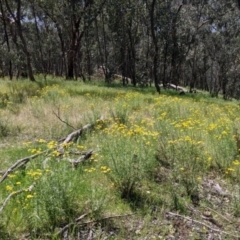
(193, 43)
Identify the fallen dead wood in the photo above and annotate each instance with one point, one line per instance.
(77, 221)
(219, 214)
(122, 77)
(77, 133)
(74, 135)
(174, 87)
(58, 116)
(14, 194)
(66, 227)
(203, 224)
(83, 158)
(19, 163)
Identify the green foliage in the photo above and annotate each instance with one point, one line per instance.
(4, 235)
(151, 154)
(4, 100)
(7, 128)
(21, 91)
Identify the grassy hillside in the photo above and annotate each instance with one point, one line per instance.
(88, 161)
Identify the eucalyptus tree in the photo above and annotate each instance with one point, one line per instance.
(13, 16)
(123, 30)
(71, 20)
(223, 46)
(6, 39)
(195, 25)
(164, 18)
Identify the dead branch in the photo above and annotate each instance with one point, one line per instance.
(20, 163)
(174, 87)
(122, 77)
(106, 218)
(83, 158)
(219, 214)
(58, 116)
(208, 214)
(13, 194)
(69, 138)
(73, 223)
(78, 132)
(203, 224)
(77, 221)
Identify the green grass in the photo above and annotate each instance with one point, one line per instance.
(152, 154)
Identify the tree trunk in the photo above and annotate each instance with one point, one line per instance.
(155, 42)
(175, 51)
(17, 19)
(7, 40)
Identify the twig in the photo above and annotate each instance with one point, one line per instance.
(70, 224)
(58, 116)
(77, 220)
(203, 224)
(219, 214)
(105, 218)
(13, 194)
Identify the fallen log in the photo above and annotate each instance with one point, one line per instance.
(19, 163)
(174, 87)
(60, 148)
(14, 194)
(122, 77)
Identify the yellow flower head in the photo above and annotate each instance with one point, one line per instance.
(9, 188)
(29, 196)
(236, 162)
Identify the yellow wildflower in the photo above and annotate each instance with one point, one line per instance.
(80, 147)
(55, 153)
(199, 178)
(236, 162)
(29, 196)
(9, 188)
(11, 175)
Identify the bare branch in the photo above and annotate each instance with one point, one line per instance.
(77, 221)
(78, 132)
(59, 148)
(203, 224)
(58, 116)
(70, 224)
(20, 163)
(13, 194)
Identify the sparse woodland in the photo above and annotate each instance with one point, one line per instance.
(89, 149)
(188, 43)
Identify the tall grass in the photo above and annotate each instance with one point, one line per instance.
(151, 153)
